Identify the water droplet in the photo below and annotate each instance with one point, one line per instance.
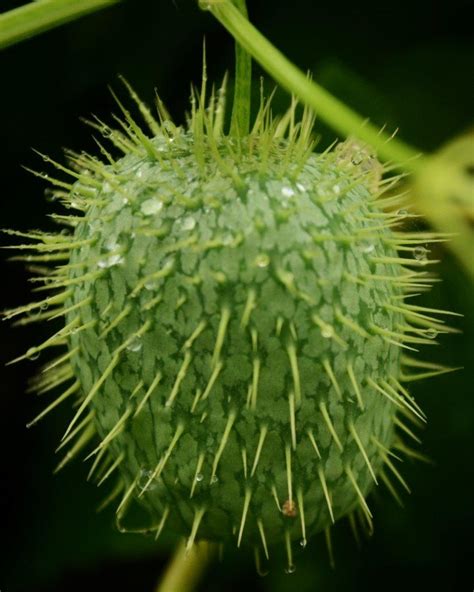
(110, 261)
(44, 306)
(151, 207)
(301, 187)
(303, 543)
(336, 189)
(188, 223)
(402, 213)
(135, 345)
(421, 255)
(431, 333)
(287, 191)
(32, 354)
(205, 4)
(367, 247)
(199, 477)
(262, 260)
(214, 479)
(106, 188)
(125, 200)
(327, 331)
(357, 158)
(152, 285)
(111, 244)
(290, 569)
(145, 475)
(228, 239)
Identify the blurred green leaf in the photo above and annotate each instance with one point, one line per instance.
(42, 15)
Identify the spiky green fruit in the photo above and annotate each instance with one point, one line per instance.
(234, 324)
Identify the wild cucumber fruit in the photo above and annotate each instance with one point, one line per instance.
(235, 324)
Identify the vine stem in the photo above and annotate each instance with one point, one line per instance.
(240, 123)
(186, 567)
(42, 15)
(343, 119)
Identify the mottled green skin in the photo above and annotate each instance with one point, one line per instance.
(232, 229)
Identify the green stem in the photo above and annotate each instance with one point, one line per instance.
(240, 123)
(343, 119)
(39, 16)
(186, 568)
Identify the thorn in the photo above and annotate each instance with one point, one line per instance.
(394, 470)
(67, 356)
(244, 461)
(364, 505)
(352, 324)
(114, 361)
(255, 379)
(362, 450)
(262, 536)
(398, 402)
(212, 380)
(406, 429)
(196, 473)
(86, 436)
(97, 459)
(313, 442)
(128, 493)
(289, 474)
(322, 478)
(148, 393)
(391, 488)
(291, 350)
(162, 522)
(144, 110)
(77, 429)
(164, 459)
(291, 403)
(71, 390)
(221, 331)
(110, 498)
(114, 432)
(275, 497)
(330, 425)
(299, 496)
(327, 331)
(354, 530)
(198, 515)
(195, 334)
(179, 378)
(332, 378)
(248, 497)
(56, 339)
(355, 386)
(112, 468)
(261, 440)
(327, 533)
(289, 552)
(116, 321)
(223, 442)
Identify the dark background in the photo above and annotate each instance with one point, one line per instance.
(408, 63)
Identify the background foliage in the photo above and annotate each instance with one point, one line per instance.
(405, 63)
